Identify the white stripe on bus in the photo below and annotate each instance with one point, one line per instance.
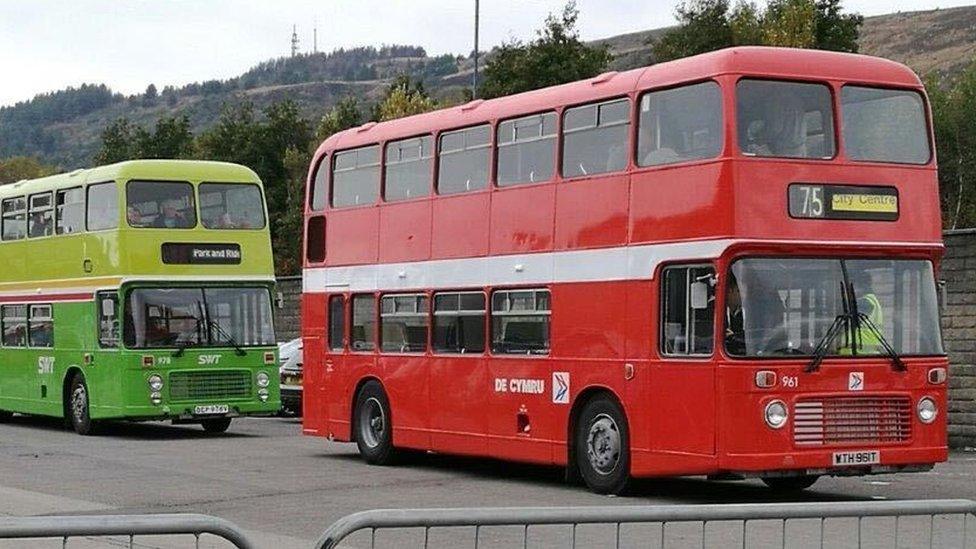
(592, 265)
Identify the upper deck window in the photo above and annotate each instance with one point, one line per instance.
(356, 177)
(884, 125)
(231, 206)
(70, 214)
(319, 194)
(103, 206)
(14, 218)
(526, 149)
(40, 216)
(595, 138)
(785, 119)
(680, 124)
(160, 205)
(408, 168)
(463, 160)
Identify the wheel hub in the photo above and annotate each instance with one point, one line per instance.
(373, 422)
(79, 403)
(603, 444)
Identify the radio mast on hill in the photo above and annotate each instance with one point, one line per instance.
(294, 40)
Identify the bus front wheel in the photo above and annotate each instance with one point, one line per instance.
(790, 484)
(372, 424)
(603, 446)
(216, 425)
(79, 406)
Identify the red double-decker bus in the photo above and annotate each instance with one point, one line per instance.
(719, 265)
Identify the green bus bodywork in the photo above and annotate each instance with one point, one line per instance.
(86, 273)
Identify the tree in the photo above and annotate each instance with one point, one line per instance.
(953, 105)
(122, 140)
(703, 26)
(790, 24)
(556, 56)
(117, 142)
(151, 96)
(22, 167)
(834, 30)
(403, 98)
(708, 25)
(344, 115)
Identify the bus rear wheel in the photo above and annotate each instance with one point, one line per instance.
(372, 424)
(216, 425)
(790, 484)
(79, 406)
(603, 446)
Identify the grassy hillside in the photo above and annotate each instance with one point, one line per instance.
(64, 128)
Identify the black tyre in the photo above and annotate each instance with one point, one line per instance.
(79, 406)
(5, 415)
(790, 484)
(216, 425)
(372, 424)
(602, 446)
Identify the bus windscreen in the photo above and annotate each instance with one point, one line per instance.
(781, 307)
(195, 317)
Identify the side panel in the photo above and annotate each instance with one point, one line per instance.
(316, 374)
(592, 212)
(459, 393)
(405, 231)
(460, 225)
(352, 236)
(522, 219)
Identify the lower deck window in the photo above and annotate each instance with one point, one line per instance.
(13, 318)
(403, 323)
(687, 322)
(520, 322)
(459, 322)
(41, 326)
(363, 337)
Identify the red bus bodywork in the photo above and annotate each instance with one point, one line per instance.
(598, 243)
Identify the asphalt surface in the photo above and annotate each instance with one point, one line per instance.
(285, 488)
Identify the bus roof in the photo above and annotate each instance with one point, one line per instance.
(786, 63)
(192, 170)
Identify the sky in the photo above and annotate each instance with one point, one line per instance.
(46, 45)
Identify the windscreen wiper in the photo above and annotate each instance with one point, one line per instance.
(214, 325)
(820, 352)
(896, 361)
(182, 348)
(841, 321)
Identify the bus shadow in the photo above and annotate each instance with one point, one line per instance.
(127, 430)
(674, 490)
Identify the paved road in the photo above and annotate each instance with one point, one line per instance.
(285, 488)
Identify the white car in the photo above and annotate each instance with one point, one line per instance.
(290, 370)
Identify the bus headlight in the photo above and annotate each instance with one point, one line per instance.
(156, 398)
(776, 414)
(263, 379)
(155, 383)
(927, 410)
(263, 395)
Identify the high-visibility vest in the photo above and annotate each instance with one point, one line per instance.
(867, 342)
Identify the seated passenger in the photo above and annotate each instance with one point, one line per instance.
(171, 218)
(134, 216)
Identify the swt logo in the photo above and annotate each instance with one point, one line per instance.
(207, 360)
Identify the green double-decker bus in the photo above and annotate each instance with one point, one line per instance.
(139, 291)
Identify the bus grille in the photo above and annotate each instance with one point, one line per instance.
(213, 385)
(852, 420)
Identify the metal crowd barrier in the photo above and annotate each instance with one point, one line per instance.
(66, 527)
(931, 523)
